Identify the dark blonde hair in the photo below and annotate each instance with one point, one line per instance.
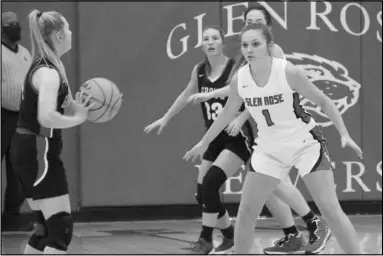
(41, 26)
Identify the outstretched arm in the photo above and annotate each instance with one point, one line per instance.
(177, 105)
(181, 101)
(300, 83)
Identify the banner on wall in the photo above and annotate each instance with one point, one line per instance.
(325, 40)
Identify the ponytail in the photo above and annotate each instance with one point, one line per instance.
(35, 33)
(40, 42)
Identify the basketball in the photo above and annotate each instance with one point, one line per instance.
(106, 98)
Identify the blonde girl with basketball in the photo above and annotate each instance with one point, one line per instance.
(45, 97)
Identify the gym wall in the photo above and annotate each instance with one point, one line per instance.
(149, 50)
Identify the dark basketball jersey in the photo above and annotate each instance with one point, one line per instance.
(212, 107)
(29, 102)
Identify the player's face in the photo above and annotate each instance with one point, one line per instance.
(66, 38)
(212, 43)
(254, 45)
(255, 16)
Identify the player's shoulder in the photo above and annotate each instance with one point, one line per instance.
(293, 72)
(242, 69)
(278, 52)
(200, 64)
(277, 48)
(291, 68)
(43, 66)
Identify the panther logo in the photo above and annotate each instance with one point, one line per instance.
(332, 78)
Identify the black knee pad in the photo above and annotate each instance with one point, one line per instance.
(37, 239)
(213, 180)
(41, 228)
(198, 195)
(60, 230)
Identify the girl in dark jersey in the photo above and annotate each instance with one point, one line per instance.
(286, 192)
(45, 96)
(226, 154)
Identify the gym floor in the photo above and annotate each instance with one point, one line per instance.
(173, 237)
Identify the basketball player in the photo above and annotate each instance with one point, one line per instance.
(45, 95)
(287, 136)
(226, 154)
(286, 191)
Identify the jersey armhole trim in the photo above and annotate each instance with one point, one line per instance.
(40, 65)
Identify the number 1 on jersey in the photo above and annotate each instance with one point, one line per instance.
(266, 114)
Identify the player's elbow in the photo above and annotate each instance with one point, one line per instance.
(45, 118)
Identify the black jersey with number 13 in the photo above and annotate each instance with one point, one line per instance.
(214, 106)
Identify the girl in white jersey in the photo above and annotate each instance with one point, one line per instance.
(287, 136)
(286, 194)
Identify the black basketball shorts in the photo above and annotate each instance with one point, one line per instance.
(241, 145)
(37, 163)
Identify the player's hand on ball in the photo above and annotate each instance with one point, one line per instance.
(82, 105)
(199, 97)
(347, 141)
(197, 151)
(161, 123)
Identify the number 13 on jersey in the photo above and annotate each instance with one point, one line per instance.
(213, 111)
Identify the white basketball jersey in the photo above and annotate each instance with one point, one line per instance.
(275, 107)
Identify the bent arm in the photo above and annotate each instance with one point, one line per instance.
(301, 84)
(47, 82)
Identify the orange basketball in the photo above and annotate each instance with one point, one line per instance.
(106, 97)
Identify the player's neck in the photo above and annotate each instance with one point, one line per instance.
(58, 52)
(217, 60)
(262, 65)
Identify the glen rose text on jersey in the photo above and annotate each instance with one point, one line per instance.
(264, 101)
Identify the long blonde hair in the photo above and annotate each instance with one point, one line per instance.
(41, 26)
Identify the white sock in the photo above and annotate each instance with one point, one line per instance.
(223, 222)
(30, 250)
(50, 250)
